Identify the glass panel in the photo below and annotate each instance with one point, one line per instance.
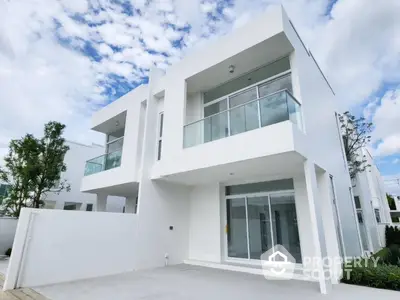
(159, 150)
(161, 124)
(357, 201)
(215, 108)
(248, 79)
(377, 215)
(113, 160)
(273, 109)
(243, 97)
(104, 162)
(193, 134)
(244, 118)
(294, 111)
(115, 146)
(266, 186)
(276, 85)
(236, 228)
(284, 224)
(216, 127)
(94, 165)
(260, 239)
(115, 135)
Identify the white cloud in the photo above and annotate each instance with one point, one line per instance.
(392, 184)
(386, 119)
(396, 161)
(43, 79)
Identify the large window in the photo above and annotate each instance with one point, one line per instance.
(259, 217)
(377, 215)
(115, 141)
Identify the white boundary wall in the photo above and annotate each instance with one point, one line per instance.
(8, 226)
(53, 246)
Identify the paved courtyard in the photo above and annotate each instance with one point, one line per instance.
(192, 282)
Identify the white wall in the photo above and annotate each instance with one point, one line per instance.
(323, 143)
(163, 208)
(8, 226)
(62, 246)
(205, 223)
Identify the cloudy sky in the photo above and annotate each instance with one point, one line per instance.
(63, 59)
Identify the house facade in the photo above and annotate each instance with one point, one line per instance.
(75, 158)
(235, 149)
(373, 212)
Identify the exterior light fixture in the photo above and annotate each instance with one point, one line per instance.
(231, 68)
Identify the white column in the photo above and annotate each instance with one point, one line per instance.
(329, 227)
(130, 205)
(317, 234)
(101, 203)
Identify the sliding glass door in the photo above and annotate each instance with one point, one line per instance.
(257, 222)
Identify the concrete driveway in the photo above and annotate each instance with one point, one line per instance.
(192, 282)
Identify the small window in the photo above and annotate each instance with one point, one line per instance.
(159, 135)
(377, 216)
(89, 207)
(357, 201)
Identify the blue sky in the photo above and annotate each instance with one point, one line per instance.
(65, 59)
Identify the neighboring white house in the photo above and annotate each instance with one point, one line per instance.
(236, 148)
(373, 210)
(75, 158)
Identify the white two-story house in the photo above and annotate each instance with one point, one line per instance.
(373, 212)
(235, 149)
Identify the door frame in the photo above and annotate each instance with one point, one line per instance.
(248, 260)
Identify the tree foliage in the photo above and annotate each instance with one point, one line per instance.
(33, 167)
(356, 135)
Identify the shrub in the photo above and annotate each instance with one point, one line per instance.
(379, 276)
(392, 235)
(389, 255)
(8, 252)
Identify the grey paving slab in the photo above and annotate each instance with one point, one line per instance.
(192, 282)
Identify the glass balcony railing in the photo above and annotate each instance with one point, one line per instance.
(104, 162)
(274, 108)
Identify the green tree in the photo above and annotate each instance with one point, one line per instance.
(33, 167)
(49, 164)
(356, 135)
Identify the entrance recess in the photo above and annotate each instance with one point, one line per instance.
(256, 222)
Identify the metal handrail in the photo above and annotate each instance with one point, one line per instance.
(255, 100)
(120, 150)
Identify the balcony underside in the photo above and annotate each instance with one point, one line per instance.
(283, 165)
(121, 190)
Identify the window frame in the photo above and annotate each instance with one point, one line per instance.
(227, 96)
(160, 129)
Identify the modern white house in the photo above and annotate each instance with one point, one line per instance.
(75, 158)
(373, 210)
(235, 149)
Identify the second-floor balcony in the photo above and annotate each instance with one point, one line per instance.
(277, 107)
(111, 159)
(104, 162)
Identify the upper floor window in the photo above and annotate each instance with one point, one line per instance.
(357, 202)
(159, 134)
(115, 141)
(377, 215)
